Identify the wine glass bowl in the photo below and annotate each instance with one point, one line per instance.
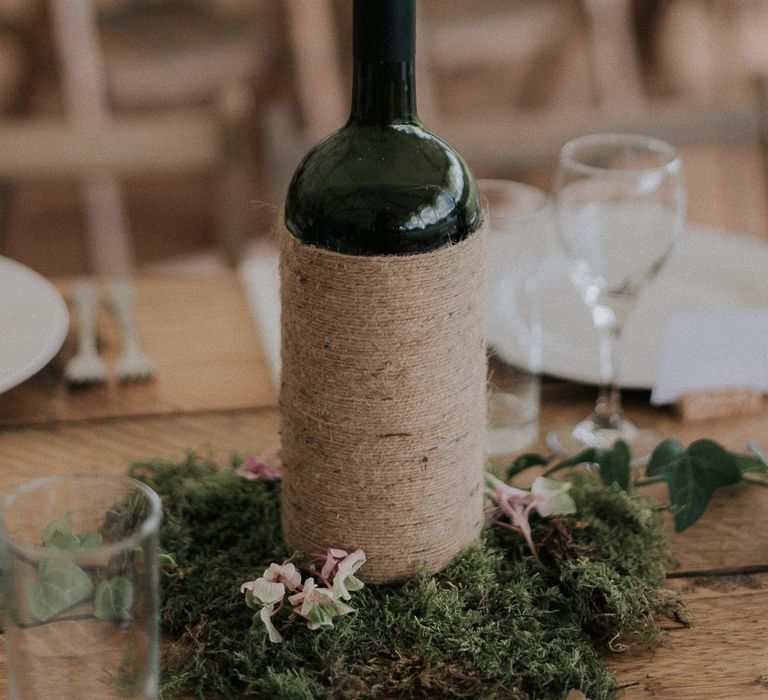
(619, 208)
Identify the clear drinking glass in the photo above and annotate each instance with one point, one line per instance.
(519, 219)
(619, 208)
(80, 583)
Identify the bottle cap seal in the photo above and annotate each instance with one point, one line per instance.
(384, 30)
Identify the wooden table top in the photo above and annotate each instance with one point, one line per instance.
(213, 393)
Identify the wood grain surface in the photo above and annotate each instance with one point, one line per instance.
(724, 655)
(199, 332)
(212, 394)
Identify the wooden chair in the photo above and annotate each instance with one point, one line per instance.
(311, 102)
(721, 133)
(201, 90)
(17, 18)
(715, 54)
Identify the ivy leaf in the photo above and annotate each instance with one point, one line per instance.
(615, 465)
(592, 455)
(61, 528)
(59, 535)
(665, 453)
(754, 463)
(60, 585)
(113, 599)
(692, 476)
(748, 463)
(524, 462)
(74, 542)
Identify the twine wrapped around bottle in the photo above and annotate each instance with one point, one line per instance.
(383, 403)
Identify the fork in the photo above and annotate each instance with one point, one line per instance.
(132, 365)
(86, 367)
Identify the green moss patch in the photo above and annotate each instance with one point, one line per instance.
(494, 624)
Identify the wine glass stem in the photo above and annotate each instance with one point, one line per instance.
(608, 413)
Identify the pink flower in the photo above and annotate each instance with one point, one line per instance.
(338, 571)
(263, 595)
(547, 496)
(550, 497)
(286, 574)
(344, 580)
(265, 615)
(332, 559)
(317, 605)
(257, 469)
(263, 591)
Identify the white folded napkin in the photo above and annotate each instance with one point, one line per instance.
(261, 279)
(711, 352)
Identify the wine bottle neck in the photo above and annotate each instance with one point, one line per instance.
(383, 93)
(383, 86)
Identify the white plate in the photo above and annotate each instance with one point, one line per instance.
(33, 323)
(709, 270)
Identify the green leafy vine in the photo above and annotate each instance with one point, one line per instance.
(692, 474)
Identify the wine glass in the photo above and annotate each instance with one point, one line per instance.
(619, 208)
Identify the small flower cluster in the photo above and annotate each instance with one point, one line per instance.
(547, 497)
(318, 605)
(265, 467)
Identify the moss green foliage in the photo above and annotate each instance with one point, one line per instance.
(492, 625)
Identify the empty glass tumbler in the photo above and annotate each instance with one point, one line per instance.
(80, 583)
(519, 220)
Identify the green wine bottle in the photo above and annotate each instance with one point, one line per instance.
(383, 361)
(383, 184)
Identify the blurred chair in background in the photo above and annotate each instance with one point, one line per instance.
(545, 54)
(570, 67)
(165, 55)
(715, 55)
(16, 29)
(196, 75)
(311, 94)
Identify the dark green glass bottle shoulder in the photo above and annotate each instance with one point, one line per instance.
(381, 190)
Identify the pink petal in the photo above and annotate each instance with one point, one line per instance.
(248, 586)
(343, 609)
(296, 599)
(266, 617)
(332, 556)
(352, 562)
(256, 469)
(284, 573)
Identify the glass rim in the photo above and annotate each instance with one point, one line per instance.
(650, 143)
(502, 187)
(149, 525)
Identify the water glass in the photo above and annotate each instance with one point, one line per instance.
(80, 584)
(519, 219)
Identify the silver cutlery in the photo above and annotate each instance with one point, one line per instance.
(133, 365)
(86, 367)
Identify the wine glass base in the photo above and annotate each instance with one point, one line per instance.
(567, 440)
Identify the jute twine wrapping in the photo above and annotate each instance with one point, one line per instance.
(383, 403)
